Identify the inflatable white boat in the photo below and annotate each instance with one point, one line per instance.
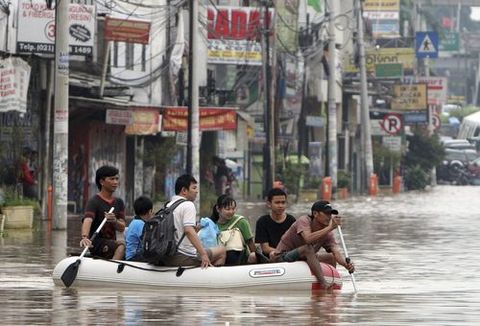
(294, 276)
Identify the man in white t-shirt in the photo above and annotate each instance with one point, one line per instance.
(190, 250)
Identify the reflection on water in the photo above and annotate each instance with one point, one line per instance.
(415, 256)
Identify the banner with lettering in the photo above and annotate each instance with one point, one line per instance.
(234, 34)
(176, 119)
(36, 28)
(145, 122)
(14, 79)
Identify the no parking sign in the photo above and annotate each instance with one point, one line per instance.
(391, 123)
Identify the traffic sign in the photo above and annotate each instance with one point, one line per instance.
(391, 123)
(426, 45)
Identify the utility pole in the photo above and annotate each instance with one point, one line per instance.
(60, 131)
(193, 135)
(367, 154)
(269, 150)
(431, 130)
(332, 105)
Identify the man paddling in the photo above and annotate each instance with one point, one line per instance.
(310, 233)
(98, 207)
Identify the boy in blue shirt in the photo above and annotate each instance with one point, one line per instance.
(143, 208)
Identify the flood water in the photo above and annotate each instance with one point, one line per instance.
(416, 256)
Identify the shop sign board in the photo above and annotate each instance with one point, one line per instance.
(176, 119)
(127, 30)
(437, 88)
(146, 121)
(374, 56)
(389, 70)
(381, 5)
(36, 28)
(409, 97)
(233, 34)
(14, 81)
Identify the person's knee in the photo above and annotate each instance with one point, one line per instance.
(305, 250)
(327, 258)
(252, 258)
(219, 254)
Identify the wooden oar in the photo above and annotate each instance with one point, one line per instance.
(347, 258)
(71, 271)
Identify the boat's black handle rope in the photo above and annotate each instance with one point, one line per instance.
(122, 265)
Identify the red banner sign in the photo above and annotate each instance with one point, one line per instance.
(176, 119)
(235, 23)
(130, 31)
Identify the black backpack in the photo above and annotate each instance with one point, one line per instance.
(158, 238)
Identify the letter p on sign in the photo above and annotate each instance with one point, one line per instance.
(391, 123)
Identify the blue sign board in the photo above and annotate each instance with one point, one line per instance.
(415, 117)
(426, 45)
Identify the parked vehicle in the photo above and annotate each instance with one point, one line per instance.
(474, 168)
(458, 144)
(475, 141)
(454, 167)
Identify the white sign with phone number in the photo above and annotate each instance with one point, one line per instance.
(36, 28)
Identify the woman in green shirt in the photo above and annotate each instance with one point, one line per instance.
(223, 214)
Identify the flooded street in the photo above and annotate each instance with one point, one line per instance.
(415, 254)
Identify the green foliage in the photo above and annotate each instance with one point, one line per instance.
(382, 155)
(416, 178)
(10, 197)
(463, 112)
(424, 151)
(159, 153)
(290, 175)
(343, 179)
(312, 182)
(423, 154)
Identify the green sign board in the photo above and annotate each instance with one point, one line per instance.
(389, 70)
(449, 42)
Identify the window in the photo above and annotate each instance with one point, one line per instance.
(115, 54)
(144, 57)
(129, 56)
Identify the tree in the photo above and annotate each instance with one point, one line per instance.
(423, 154)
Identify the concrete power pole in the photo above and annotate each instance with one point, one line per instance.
(332, 105)
(60, 131)
(193, 136)
(367, 154)
(269, 118)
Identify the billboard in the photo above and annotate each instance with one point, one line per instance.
(409, 97)
(234, 34)
(36, 28)
(373, 56)
(437, 88)
(211, 118)
(127, 30)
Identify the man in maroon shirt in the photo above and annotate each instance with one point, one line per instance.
(308, 234)
(105, 244)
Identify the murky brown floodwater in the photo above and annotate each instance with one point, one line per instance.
(416, 257)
